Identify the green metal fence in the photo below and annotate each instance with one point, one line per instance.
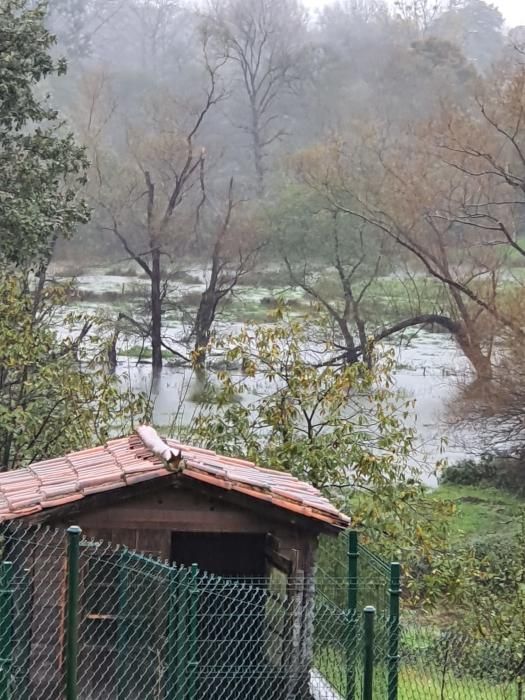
(351, 578)
(85, 620)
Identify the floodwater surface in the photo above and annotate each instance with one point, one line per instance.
(429, 368)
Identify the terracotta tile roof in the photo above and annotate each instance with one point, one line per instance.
(128, 460)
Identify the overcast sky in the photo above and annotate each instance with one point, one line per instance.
(512, 10)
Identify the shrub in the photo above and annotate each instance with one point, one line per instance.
(474, 658)
(500, 471)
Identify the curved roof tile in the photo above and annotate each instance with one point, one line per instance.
(129, 460)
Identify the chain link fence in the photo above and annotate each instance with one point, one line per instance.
(85, 620)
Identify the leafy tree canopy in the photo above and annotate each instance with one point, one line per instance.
(41, 166)
(55, 395)
(340, 429)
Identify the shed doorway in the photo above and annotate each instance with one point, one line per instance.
(233, 615)
(231, 555)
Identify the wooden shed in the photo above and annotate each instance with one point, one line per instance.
(181, 505)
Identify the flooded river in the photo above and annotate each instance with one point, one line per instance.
(428, 368)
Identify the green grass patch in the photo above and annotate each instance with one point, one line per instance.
(421, 683)
(418, 680)
(481, 511)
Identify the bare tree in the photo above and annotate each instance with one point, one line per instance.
(77, 22)
(420, 14)
(355, 266)
(496, 410)
(399, 188)
(264, 40)
(486, 144)
(158, 22)
(233, 253)
(149, 205)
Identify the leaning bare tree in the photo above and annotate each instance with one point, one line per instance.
(400, 188)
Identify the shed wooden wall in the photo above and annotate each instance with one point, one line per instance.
(146, 523)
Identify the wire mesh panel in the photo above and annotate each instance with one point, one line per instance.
(32, 609)
(21, 659)
(337, 649)
(242, 631)
(372, 574)
(124, 604)
(373, 581)
(144, 630)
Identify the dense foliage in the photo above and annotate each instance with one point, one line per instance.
(57, 392)
(341, 429)
(41, 166)
(502, 472)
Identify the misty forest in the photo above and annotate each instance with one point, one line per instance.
(290, 235)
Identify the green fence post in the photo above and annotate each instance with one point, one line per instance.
(393, 630)
(193, 651)
(6, 628)
(73, 554)
(123, 625)
(173, 666)
(368, 665)
(182, 635)
(351, 646)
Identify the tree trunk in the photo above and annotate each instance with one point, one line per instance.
(257, 151)
(480, 362)
(112, 352)
(203, 325)
(156, 312)
(351, 355)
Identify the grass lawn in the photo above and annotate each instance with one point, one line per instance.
(416, 682)
(482, 511)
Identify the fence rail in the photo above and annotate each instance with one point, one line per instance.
(85, 620)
